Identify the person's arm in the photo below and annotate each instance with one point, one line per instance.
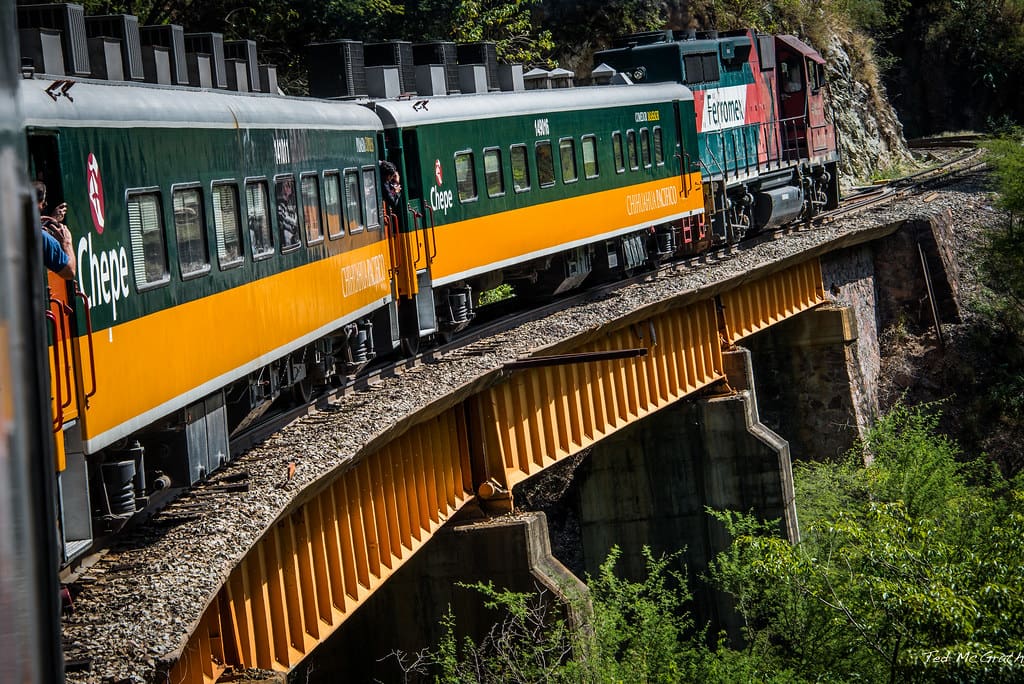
(58, 252)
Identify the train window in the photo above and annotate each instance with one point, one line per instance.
(190, 229)
(227, 225)
(258, 207)
(701, 68)
(520, 168)
(634, 159)
(287, 212)
(494, 177)
(620, 159)
(465, 176)
(709, 64)
(371, 205)
(567, 155)
(659, 147)
(589, 143)
(310, 191)
(332, 204)
(353, 207)
(149, 248)
(645, 147)
(545, 164)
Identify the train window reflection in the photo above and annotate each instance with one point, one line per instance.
(545, 164)
(190, 229)
(620, 158)
(493, 175)
(226, 224)
(634, 159)
(371, 205)
(258, 207)
(645, 147)
(149, 246)
(465, 176)
(567, 155)
(287, 212)
(520, 168)
(353, 205)
(332, 204)
(311, 208)
(659, 147)
(590, 169)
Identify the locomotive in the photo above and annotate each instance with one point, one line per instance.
(235, 248)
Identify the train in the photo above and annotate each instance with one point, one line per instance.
(29, 557)
(236, 249)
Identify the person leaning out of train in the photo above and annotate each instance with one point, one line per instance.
(58, 253)
(392, 185)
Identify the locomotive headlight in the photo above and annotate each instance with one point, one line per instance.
(639, 73)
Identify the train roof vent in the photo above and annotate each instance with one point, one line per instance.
(160, 42)
(105, 56)
(483, 52)
(125, 29)
(561, 78)
(67, 18)
(602, 74)
(244, 50)
(336, 69)
(438, 52)
(43, 50)
(473, 78)
(645, 38)
(393, 53)
(210, 46)
(537, 79)
(268, 79)
(510, 77)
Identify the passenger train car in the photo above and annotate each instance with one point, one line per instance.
(235, 248)
(29, 598)
(230, 248)
(538, 189)
(767, 148)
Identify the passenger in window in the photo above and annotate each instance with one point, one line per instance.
(392, 186)
(58, 253)
(287, 213)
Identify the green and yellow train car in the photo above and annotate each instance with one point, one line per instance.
(230, 247)
(540, 189)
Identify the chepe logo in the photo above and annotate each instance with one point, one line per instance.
(94, 185)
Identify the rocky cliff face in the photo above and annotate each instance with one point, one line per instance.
(870, 134)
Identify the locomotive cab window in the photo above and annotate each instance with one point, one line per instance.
(257, 205)
(634, 157)
(494, 177)
(227, 225)
(332, 204)
(149, 246)
(310, 191)
(620, 158)
(520, 168)
(659, 147)
(589, 144)
(190, 230)
(545, 164)
(287, 212)
(371, 204)
(465, 176)
(645, 147)
(567, 155)
(353, 203)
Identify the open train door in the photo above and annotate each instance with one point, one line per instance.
(66, 309)
(413, 245)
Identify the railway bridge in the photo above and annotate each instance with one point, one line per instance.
(664, 394)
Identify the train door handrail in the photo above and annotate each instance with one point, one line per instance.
(88, 336)
(63, 312)
(58, 420)
(431, 255)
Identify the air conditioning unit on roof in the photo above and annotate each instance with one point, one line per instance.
(67, 18)
(125, 28)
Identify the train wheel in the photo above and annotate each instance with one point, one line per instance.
(302, 391)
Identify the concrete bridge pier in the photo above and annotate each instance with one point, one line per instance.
(405, 614)
(649, 485)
